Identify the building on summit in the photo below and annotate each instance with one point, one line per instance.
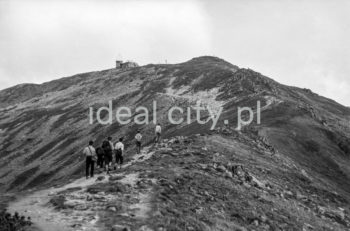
(119, 64)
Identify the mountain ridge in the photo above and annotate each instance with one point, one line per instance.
(37, 87)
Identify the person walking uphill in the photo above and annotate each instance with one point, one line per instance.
(107, 147)
(119, 152)
(138, 138)
(91, 157)
(100, 157)
(158, 132)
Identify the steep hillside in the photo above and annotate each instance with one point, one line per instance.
(300, 148)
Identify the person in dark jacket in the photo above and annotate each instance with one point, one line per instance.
(100, 157)
(119, 153)
(107, 147)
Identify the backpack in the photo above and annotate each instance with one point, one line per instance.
(99, 151)
(106, 146)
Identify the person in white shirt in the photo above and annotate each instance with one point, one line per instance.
(109, 139)
(158, 133)
(90, 154)
(138, 138)
(119, 151)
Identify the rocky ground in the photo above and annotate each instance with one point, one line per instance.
(200, 182)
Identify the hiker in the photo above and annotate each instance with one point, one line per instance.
(111, 143)
(100, 157)
(90, 154)
(138, 138)
(107, 147)
(158, 133)
(119, 151)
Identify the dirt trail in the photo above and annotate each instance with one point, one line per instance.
(46, 218)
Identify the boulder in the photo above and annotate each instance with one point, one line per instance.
(99, 197)
(320, 209)
(81, 207)
(307, 227)
(263, 218)
(257, 183)
(221, 168)
(112, 208)
(238, 170)
(70, 204)
(288, 194)
(58, 201)
(145, 228)
(120, 228)
(77, 196)
(228, 175)
(305, 176)
(76, 226)
(115, 177)
(94, 189)
(299, 196)
(100, 178)
(337, 215)
(51, 194)
(116, 187)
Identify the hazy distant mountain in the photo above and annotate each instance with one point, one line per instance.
(299, 156)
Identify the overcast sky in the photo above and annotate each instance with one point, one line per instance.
(298, 42)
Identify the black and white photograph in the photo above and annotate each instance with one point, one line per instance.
(174, 115)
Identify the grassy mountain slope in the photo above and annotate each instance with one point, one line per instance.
(302, 142)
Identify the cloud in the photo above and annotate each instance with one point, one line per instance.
(299, 43)
(49, 39)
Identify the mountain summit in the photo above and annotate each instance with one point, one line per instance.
(291, 171)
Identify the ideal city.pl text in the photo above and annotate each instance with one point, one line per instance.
(123, 115)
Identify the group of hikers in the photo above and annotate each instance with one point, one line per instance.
(103, 155)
